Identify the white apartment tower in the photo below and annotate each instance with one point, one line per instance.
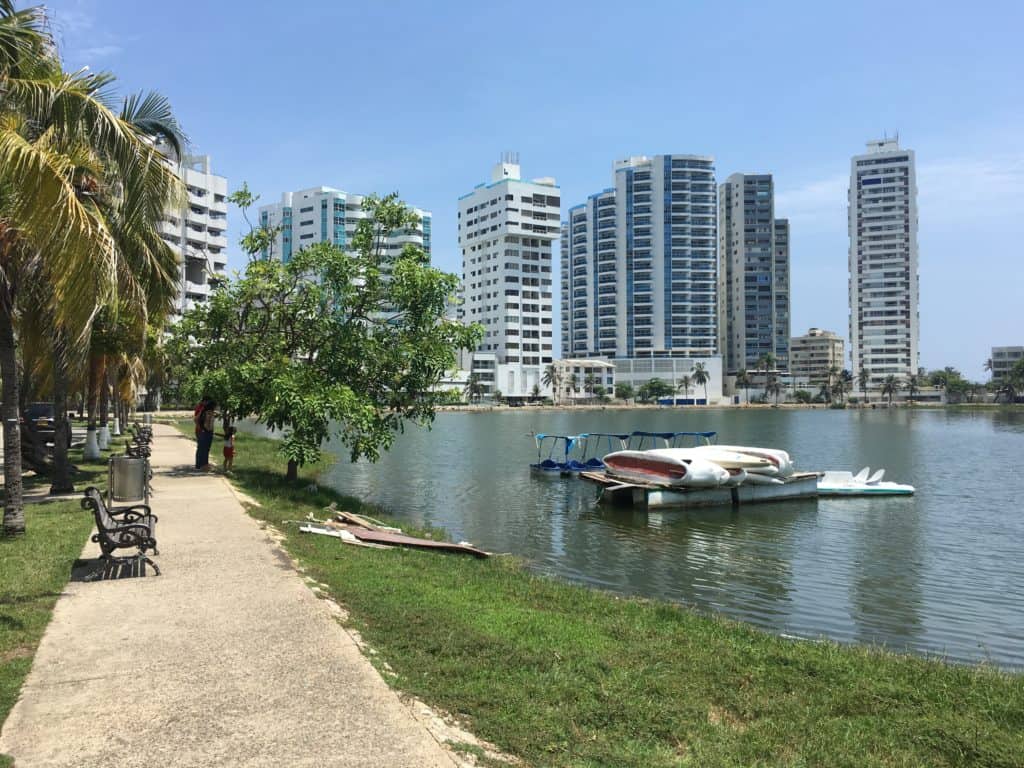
(639, 273)
(197, 232)
(328, 215)
(506, 230)
(884, 323)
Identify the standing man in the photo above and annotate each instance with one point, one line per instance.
(204, 434)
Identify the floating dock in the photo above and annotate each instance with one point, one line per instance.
(803, 485)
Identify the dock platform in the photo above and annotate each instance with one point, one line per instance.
(803, 485)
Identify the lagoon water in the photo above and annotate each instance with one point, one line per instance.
(939, 573)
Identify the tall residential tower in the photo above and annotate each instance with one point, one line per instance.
(328, 215)
(197, 231)
(506, 230)
(638, 263)
(884, 330)
(753, 274)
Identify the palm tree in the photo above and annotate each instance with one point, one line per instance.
(830, 376)
(890, 387)
(535, 392)
(846, 381)
(56, 134)
(864, 377)
(773, 388)
(766, 361)
(552, 378)
(589, 382)
(988, 365)
(474, 388)
(743, 380)
(701, 378)
(684, 386)
(573, 386)
(913, 384)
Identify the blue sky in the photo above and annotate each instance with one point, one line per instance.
(422, 97)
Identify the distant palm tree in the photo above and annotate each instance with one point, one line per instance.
(831, 374)
(766, 361)
(589, 382)
(535, 392)
(573, 386)
(743, 380)
(890, 387)
(552, 378)
(846, 379)
(913, 386)
(774, 388)
(684, 386)
(989, 366)
(865, 378)
(474, 388)
(701, 378)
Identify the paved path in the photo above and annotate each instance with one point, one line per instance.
(226, 659)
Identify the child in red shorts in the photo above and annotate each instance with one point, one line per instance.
(229, 448)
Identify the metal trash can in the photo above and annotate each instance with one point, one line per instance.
(147, 418)
(129, 479)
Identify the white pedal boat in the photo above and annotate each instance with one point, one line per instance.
(778, 458)
(676, 467)
(837, 483)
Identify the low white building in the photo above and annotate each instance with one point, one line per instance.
(579, 379)
(638, 371)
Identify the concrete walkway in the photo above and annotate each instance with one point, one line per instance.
(226, 659)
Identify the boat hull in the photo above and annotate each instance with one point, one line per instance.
(674, 467)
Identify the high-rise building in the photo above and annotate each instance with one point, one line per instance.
(753, 274)
(813, 355)
(884, 331)
(506, 231)
(638, 263)
(328, 215)
(197, 232)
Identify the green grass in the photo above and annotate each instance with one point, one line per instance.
(560, 675)
(34, 570)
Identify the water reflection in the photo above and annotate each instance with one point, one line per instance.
(942, 572)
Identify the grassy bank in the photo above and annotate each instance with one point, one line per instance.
(34, 569)
(565, 676)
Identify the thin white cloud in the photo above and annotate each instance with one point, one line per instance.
(100, 51)
(952, 191)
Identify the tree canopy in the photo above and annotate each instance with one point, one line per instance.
(333, 343)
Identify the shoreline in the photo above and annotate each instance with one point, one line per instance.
(563, 674)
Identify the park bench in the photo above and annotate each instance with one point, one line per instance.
(122, 528)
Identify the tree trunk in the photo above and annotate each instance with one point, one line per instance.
(293, 470)
(93, 389)
(14, 509)
(61, 482)
(104, 380)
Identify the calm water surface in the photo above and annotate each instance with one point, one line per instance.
(941, 572)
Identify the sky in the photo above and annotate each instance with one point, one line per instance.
(421, 98)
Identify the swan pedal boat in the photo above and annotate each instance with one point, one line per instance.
(675, 467)
(837, 483)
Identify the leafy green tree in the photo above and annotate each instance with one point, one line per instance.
(535, 392)
(802, 396)
(601, 393)
(331, 344)
(701, 377)
(654, 389)
(625, 391)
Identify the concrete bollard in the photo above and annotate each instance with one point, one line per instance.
(117, 427)
(92, 448)
(103, 438)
